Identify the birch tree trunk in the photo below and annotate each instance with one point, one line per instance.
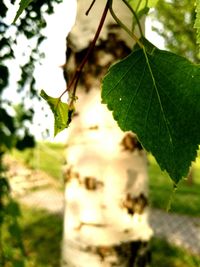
(106, 208)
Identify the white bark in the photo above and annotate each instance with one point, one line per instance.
(85, 26)
(106, 210)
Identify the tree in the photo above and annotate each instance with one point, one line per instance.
(151, 92)
(177, 19)
(16, 117)
(106, 207)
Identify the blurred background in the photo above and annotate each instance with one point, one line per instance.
(32, 54)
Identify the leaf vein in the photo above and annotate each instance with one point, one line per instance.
(122, 77)
(134, 96)
(161, 106)
(148, 111)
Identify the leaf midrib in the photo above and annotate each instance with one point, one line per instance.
(161, 105)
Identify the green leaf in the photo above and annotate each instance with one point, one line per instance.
(139, 5)
(23, 4)
(62, 112)
(197, 21)
(156, 94)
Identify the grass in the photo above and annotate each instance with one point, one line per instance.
(184, 200)
(50, 157)
(42, 235)
(165, 255)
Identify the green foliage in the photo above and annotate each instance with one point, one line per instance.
(177, 27)
(14, 129)
(61, 111)
(150, 93)
(7, 130)
(29, 27)
(197, 21)
(139, 5)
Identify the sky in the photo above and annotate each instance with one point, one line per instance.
(48, 74)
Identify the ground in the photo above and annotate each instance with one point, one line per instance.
(36, 189)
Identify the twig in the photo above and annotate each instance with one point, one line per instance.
(90, 7)
(77, 74)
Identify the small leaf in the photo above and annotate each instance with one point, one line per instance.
(156, 94)
(61, 111)
(22, 5)
(197, 21)
(138, 5)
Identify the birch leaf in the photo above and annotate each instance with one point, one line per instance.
(61, 111)
(22, 5)
(156, 94)
(197, 21)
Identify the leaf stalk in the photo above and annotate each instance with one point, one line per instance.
(135, 16)
(123, 26)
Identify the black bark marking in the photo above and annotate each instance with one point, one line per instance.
(91, 183)
(69, 174)
(109, 50)
(130, 143)
(135, 204)
(129, 254)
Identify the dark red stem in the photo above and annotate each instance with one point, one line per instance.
(77, 74)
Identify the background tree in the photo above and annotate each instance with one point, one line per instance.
(106, 206)
(16, 117)
(152, 71)
(177, 27)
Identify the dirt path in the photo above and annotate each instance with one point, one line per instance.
(49, 199)
(37, 189)
(24, 180)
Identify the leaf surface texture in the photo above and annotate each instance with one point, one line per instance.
(197, 21)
